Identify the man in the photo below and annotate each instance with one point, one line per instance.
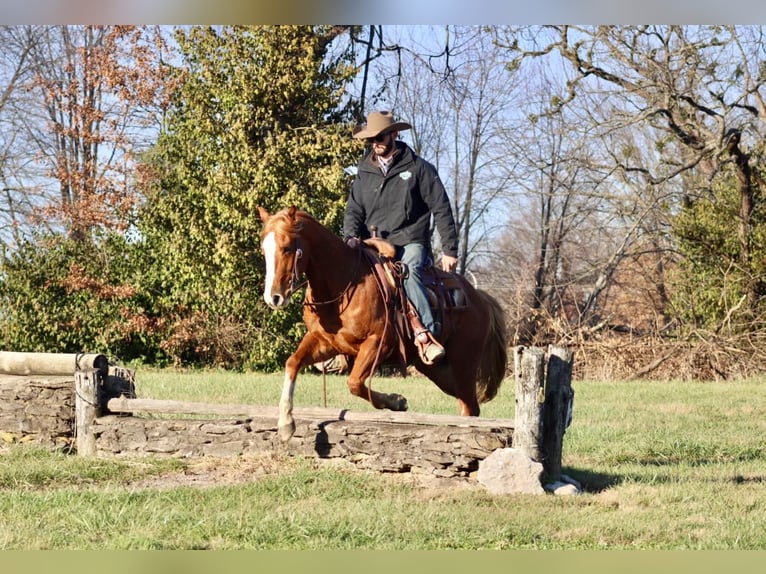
(397, 192)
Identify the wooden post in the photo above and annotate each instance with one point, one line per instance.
(543, 404)
(530, 398)
(12, 363)
(87, 408)
(558, 400)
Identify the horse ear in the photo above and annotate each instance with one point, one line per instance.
(291, 212)
(264, 214)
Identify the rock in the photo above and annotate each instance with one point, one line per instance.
(565, 486)
(562, 488)
(510, 471)
(572, 481)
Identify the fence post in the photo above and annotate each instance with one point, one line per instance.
(557, 408)
(87, 408)
(529, 363)
(544, 398)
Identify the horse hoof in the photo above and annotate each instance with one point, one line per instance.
(286, 432)
(400, 403)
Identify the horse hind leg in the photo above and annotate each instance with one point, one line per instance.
(390, 401)
(467, 405)
(465, 388)
(361, 371)
(455, 383)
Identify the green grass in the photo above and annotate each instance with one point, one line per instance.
(665, 466)
(265, 389)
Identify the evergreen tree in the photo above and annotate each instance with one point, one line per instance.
(714, 285)
(259, 119)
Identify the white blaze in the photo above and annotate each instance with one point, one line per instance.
(269, 252)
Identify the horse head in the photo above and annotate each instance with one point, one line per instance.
(284, 255)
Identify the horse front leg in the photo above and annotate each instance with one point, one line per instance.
(310, 350)
(286, 423)
(364, 364)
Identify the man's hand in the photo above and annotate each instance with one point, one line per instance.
(449, 263)
(352, 242)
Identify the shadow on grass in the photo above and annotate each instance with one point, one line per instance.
(592, 482)
(595, 482)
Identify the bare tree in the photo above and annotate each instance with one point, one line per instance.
(90, 102)
(16, 64)
(577, 221)
(454, 88)
(698, 89)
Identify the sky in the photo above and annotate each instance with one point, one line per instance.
(388, 12)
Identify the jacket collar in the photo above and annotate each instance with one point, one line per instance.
(402, 156)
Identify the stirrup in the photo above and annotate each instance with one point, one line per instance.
(430, 350)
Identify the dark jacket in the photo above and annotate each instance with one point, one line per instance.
(400, 203)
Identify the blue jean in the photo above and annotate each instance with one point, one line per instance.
(415, 256)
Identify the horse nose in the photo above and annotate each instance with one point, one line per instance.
(276, 297)
(277, 300)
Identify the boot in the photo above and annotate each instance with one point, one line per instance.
(429, 349)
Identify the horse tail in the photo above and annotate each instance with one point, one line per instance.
(494, 355)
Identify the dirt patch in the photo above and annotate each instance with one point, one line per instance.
(209, 472)
(206, 472)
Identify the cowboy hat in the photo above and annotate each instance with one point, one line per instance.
(378, 123)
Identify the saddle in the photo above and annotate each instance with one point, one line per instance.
(444, 290)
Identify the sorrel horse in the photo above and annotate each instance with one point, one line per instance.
(345, 313)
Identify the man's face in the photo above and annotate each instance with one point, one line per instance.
(383, 144)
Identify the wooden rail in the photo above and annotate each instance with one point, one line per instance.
(154, 406)
(12, 363)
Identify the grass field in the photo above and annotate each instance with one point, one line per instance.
(664, 465)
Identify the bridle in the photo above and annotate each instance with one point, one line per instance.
(295, 274)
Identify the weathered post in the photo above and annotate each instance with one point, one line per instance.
(87, 408)
(543, 404)
(529, 363)
(557, 409)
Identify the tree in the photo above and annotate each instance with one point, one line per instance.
(16, 64)
(697, 89)
(90, 95)
(257, 120)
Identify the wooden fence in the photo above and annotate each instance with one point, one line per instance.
(97, 409)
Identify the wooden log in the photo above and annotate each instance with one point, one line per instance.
(153, 406)
(558, 401)
(87, 409)
(529, 366)
(12, 363)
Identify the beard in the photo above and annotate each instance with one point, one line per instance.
(389, 149)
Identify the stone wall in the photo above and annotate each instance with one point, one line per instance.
(37, 409)
(42, 410)
(388, 447)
